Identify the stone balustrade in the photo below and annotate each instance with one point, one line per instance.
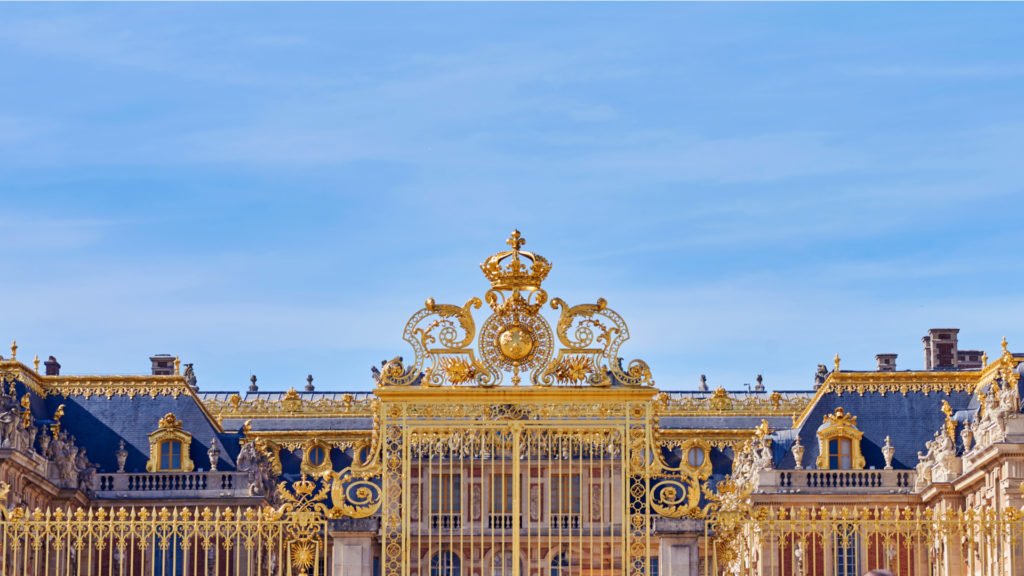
(836, 481)
(171, 485)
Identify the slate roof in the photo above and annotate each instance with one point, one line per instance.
(909, 420)
(98, 423)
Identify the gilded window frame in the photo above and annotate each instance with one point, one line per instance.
(169, 428)
(840, 425)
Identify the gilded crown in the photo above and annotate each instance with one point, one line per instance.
(508, 270)
(303, 487)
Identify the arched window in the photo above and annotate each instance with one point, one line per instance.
(501, 564)
(170, 455)
(445, 563)
(560, 564)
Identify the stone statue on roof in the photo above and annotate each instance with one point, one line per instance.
(190, 376)
(820, 376)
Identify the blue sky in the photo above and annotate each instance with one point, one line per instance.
(274, 189)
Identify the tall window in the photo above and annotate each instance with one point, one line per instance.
(501, 503)
(840, 451)
(445, 563)
(565, 501)
(565, 494)
(170, 455)
(846, 542)
(446, 493)
(446, 501)
(560, 564)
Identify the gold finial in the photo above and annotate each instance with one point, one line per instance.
(14, 349)
(1003, 344)
(177, 366)
(515, 240)
(837, 362)
(35, 363)
(947, 409)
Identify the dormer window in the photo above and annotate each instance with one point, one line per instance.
(839, 442)
(169, 447)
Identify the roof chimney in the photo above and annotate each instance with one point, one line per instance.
(940, 349)
(163, 364)
(52, 366)
(886, 362)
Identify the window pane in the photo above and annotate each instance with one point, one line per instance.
(565, 493)
(170, 455)
(446, 493)
(502, 494)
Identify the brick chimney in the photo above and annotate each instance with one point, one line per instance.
(52, 366)
(886, 362)
(163, 364)
(940, 349)
(969, 359)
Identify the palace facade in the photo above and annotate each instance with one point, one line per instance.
(522, 446)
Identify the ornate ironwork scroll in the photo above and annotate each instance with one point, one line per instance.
(515, 338)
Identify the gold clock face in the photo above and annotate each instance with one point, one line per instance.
(515, 343)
